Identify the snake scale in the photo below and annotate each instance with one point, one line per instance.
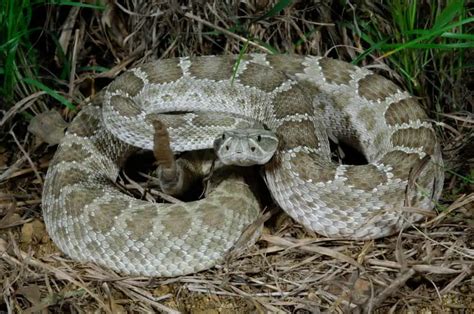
(302, 99)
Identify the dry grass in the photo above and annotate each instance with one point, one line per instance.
(429, 266)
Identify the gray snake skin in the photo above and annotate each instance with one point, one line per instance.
(300, 98)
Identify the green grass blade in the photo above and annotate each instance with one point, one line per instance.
(277, 8)
(428, 36)
(93, 68)
(50, 92)
(448, 14)
(78, 4)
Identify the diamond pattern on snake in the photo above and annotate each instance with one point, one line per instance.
(296, 102)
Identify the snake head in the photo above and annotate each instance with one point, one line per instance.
(246, 147)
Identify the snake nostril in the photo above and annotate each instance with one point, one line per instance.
(227, 147)
(252, 149)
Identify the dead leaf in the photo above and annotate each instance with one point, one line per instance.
(33, 232)
(48, 126)
(31, 292)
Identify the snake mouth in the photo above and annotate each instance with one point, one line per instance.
(243, 159)
(239, 159)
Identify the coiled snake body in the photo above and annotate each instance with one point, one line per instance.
(301, 99)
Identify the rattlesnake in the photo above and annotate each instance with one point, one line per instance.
(301, 99)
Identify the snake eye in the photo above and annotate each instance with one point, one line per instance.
(223, 136)
(252, 149)
(259, 138)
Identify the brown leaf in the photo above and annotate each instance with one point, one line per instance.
(48, 126)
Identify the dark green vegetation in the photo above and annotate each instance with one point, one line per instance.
(22, 37)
